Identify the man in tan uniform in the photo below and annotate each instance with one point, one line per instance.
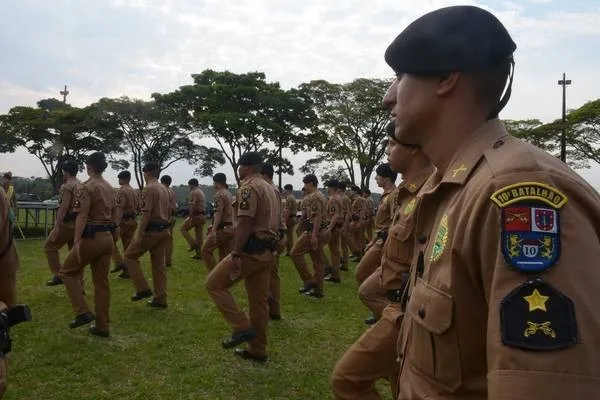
(370, 224)
(275, 283)
(345, 237)
(166, 181)
(335, 221)
(64, 225)
(291, 210)
(312, 239)
(93, 243)
(358, 219)
(152, 235)
(252, 259)
(368, 272)
(126, 209)
(502, 302)
(9, 259)
(373, 356)
(195, 219)
(221, 233)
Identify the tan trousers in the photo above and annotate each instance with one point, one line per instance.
(127, 232)
(95, 251)
(155, 242)
(369, 262)
(334, 250)
(291, 224)
(222, 239)
(302, 247)
(197, 223)
(275, 284)
(169, 247)
(51, 247)
(372, 357)
(256, 272)
(372, 294)
(345, 247)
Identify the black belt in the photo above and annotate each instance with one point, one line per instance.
(129, 215)
(157, 226)
(395, 295)
(255, 245)
(90, 230)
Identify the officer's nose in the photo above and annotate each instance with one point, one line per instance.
(389, 100)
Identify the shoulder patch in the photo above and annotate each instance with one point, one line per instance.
(245, 194)
(536, 316)
(530, 239)
(533, 191)
(78, 195)
(410, 206)
(441, 239)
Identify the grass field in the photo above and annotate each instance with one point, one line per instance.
(175, 353)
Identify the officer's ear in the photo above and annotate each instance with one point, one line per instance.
(447, 83)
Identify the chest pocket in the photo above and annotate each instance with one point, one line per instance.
(400, 241)
(433, 344)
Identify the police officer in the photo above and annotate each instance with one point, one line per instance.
(312, 239)
(9, 259)
(358, 218)
(252, 259)
(345, 237)
(370, 224)
(195, 219)
(166, 181)
(291, 210)
(93, 243)
(373, 355)
(503, 294)
(220, 235)
(275, 283)
(152, 235)
(64, 225)
(126, 209)
(335, 221)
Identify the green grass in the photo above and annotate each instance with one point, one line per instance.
(175, 353)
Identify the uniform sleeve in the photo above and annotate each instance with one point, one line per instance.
(248, 201)
(83, 200)
(147, 200)
(65, 198)
(119, 199)
(219, 203)
(315, 208)
(537, 260)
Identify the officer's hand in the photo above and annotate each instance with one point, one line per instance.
(53, 235)
(314, 242)
(236, 268)
(77, 250)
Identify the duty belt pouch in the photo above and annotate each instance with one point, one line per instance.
(156, 226)
(257, 246)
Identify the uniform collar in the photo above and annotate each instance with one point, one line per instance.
(492, 134)
(414, 184)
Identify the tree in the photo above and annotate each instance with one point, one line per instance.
(350, 125)
(242, 112)
(54, 132)
(583, 125)
(150, 133)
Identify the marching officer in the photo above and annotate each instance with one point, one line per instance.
(345, 236)
(291, 210)
(503, 293)
(93, 243)
(153, 236)
(370, 215)
(166, 181)
(220, 235)
(252, 259)
(312, 239)
(9, 259)
(358, 220)
(64, 225)
(373, 355)
(126, 209)
(195, 219)
(335, 220)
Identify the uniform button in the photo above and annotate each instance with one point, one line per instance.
(498, 143)
(423, 239)
(421, 311)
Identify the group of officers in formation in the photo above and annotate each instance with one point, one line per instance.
(481, 272)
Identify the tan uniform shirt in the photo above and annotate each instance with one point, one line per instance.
(478, 325)
(95, 199)
(370, 207)
(197, 202)
(383, 218)
(9, 259)
(155, 201)
(291, 205)
(347, 205)
(128, 200)
(335, 207)
(315, 205)
(223, 200)
(359, 208)
(66, 197)
(257, 200)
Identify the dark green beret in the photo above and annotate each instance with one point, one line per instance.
(458, 38)
(250, 158)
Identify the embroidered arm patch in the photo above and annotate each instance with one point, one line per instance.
(245, 195)
(536, 316)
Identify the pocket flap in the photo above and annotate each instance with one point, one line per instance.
(430, 307)
(400, 232)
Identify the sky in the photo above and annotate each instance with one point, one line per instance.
(111, 48)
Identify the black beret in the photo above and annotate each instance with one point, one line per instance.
(458, 38)
(71, 167)
(166, 179)
(220, 178)
(311, 178)
(267, 169)
(126, 175)
(385, 171)
(193, 182)
(97, 160)
(342, 186)
(250, 158)
(288, 187)
(333, 183)
(151, 167)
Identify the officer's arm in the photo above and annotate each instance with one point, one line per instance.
(118, 210)
(219, 203)
(248, 204)
(65, 203)
(83, 201)
(317, 213)
(147, 204)
(539, 268)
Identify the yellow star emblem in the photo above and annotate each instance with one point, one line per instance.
(536, 301)
(459, 170)
(412, 187)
